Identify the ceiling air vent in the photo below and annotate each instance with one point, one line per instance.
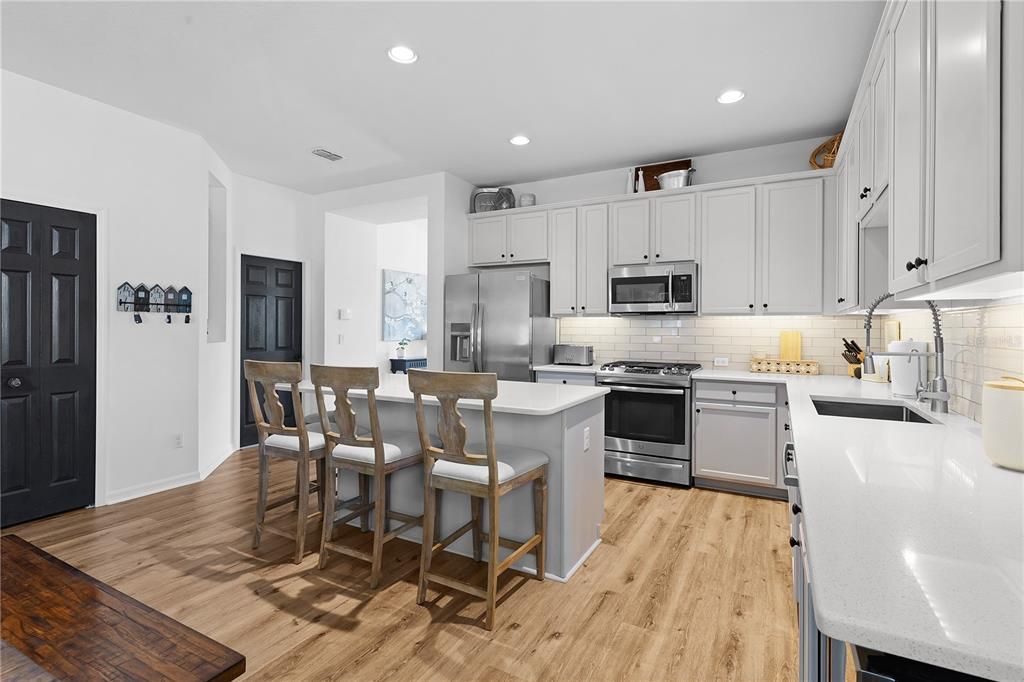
(324, 154)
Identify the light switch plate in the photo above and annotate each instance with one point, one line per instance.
(721, 362)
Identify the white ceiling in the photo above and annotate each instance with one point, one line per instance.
(594, 85)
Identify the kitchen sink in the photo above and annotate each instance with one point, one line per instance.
(884, 411)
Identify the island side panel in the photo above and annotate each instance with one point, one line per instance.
(582, 481)
(544, 433)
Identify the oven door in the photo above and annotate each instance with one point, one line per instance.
(640, 290)
(646, 420)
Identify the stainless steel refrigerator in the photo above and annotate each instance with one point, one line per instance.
(497, 322)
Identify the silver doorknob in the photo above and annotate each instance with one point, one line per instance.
(14, 382)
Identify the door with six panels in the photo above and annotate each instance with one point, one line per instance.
(48, 366)
(271, 326)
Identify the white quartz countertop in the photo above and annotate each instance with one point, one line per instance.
(914, 538)
(514, 397)
(570, 369)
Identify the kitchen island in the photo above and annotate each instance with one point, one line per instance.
(564, 422)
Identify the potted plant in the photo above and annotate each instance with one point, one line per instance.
(400, 350)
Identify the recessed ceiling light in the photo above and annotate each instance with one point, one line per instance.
(731, 96)
(520, 140)
(402, 54)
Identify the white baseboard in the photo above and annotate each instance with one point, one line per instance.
(131, 492)
(228, 451)
(570, 573)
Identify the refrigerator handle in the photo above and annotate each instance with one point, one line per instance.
(472, 337)
(478, 333)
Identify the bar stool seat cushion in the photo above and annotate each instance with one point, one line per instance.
(316, 441)
(513, 461)
(397, 445)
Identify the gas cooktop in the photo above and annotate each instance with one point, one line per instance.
(663, 372)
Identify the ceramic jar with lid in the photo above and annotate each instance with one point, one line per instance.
(1002, 421)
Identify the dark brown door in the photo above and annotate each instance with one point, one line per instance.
(271, 325)
(48, 403)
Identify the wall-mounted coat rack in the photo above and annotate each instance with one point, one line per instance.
(154, 299)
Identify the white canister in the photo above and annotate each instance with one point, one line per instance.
(1002, 422)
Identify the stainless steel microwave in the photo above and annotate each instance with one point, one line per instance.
(644, 289)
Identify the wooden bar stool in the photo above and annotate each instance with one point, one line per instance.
(485, 476)
(286, 442)
(367, 457)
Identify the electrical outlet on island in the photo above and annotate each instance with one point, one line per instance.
(721, 362)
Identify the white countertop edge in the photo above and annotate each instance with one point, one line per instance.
(514, 397)
(568, 369)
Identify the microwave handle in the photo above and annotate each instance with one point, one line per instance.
(671, 298)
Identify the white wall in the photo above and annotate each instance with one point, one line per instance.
(743, 163)
(400, 246)
(350, 249)
(148, 184)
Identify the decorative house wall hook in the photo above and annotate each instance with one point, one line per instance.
(168, 319)
(137, 318)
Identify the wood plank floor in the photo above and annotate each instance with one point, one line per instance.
(686, 585)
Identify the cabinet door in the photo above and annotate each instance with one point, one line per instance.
(906, 226)
(727, 253)
(735, 443)
(865, 165)
(528, 237)
(631, 232)
(675, 228)
(964, 226)
(881, 102)
(842, 206)
(563, 261)
(592, 284)
(790, 238)
(487, 239)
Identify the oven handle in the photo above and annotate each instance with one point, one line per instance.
(645, 389)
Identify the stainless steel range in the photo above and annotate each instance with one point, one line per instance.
(647, 420)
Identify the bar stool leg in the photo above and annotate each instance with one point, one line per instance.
(364, 499)
(493, 543)
(321, 476)
(427, 549)
(540, 520)
(302, 485)
(380, 508)
(261, 496)
(476, 506)
(327, 532)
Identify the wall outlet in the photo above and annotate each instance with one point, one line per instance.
(341, 339)
(179, 440)
(344, 313)
(721, 362)
(586, 438)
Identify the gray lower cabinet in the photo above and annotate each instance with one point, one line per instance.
(736, 443)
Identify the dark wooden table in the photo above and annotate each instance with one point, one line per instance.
(403, 365)
(67, 625)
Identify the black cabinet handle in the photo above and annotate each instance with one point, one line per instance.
(734, 392)
(793, 542)
(789, 456)
(918, 262)
(564, 381)
(572, 307)
(910, 266)
(840, 300)
(865, 192)
(751, 306)
(502, 255)
(657, 255)
(785, 427)
(797, 509)
(511, 255)
(698, 410)
(645, 256)
(764, 305)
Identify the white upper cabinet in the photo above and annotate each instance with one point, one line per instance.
(563, 261)
(963, 230)
(842, 219)
(790, 238)
(728, 254)
(592, 239)
(488, 240)
(906, 206)
(631, 232)
(675, 228)
(881, 127)
(864, 166)
(528, 237)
